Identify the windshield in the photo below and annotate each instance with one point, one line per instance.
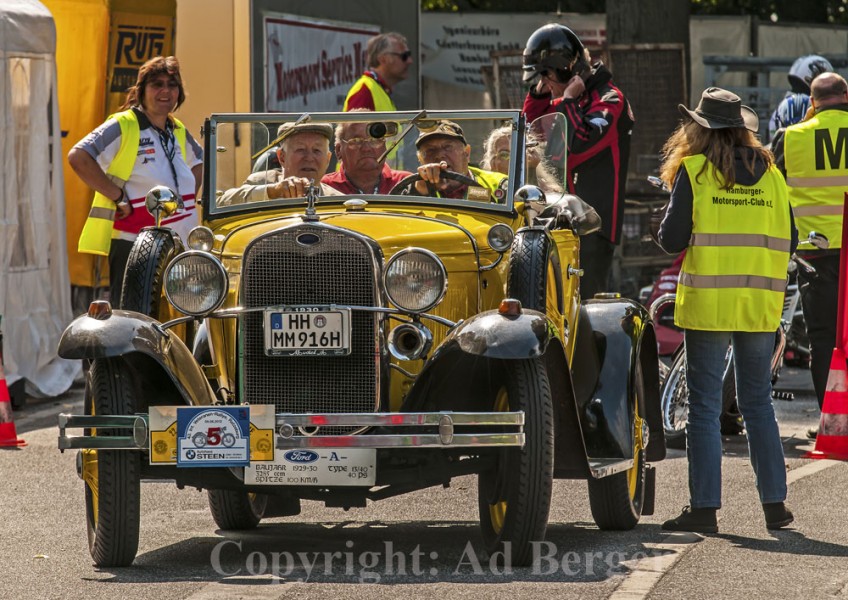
(266, 161)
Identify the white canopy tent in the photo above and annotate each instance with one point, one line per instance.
(35, 301)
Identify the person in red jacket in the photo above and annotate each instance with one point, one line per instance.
(600, 123)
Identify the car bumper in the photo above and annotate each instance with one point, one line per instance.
(396, 430)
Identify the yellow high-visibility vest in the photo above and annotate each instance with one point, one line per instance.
(734, 275)
(98, 231)
(816, 155)
(382, 101)
(489, 180)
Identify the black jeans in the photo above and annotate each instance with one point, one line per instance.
(819, 301)
(596, 254)
(119, 253)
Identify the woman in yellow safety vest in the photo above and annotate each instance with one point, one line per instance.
(131, 152)
(729, 209)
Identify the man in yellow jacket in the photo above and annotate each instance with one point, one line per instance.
(812, 155)
(388, 58)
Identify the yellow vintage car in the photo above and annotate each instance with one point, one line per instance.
(344, 347)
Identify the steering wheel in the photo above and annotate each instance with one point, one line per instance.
(409, 181)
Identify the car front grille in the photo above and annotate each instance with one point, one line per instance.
(338, 268)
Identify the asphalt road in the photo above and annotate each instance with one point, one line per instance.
(427, 544)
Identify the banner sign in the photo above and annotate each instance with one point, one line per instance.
(134, 39)
(455, 46)
(310, 64)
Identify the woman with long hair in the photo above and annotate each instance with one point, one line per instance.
(729, 209)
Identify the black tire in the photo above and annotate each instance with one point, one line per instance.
(528, 264)
(112, 477)
(144, 279)
(515, 497)
(235, 510)
(616, 500)
(674, 402)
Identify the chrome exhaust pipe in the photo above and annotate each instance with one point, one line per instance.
(410, 341)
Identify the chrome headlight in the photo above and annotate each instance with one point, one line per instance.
(500, 237)
(200, 238)
(415, 280)
(195, 283)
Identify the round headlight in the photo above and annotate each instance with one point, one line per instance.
(200, 238)
(500, 237)
(415, 280)
(195, 283)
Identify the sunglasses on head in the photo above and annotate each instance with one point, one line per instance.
(404, 56)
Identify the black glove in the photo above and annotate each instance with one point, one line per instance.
(538, 95)
(582, 68)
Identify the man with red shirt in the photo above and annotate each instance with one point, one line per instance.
(600, 122)
(359, 171)
(388, 58)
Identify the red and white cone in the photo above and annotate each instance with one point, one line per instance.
(832, 438)
(8, 436)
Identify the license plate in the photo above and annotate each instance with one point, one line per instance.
(307, 331)
(322, 467)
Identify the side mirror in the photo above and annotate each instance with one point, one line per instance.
(162, 202)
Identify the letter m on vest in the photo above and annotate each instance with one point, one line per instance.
(834, 153)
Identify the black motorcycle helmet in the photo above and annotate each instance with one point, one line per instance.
(551, 47)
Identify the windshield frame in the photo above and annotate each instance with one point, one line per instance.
(211, 211)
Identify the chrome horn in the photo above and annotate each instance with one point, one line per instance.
(162, 202)
(410, 341)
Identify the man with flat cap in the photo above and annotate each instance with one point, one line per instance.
(304, 156)
(443, 148)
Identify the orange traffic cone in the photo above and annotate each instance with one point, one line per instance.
(8, 436)
(832, 438)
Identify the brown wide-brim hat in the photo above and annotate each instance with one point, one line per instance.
(721, 109)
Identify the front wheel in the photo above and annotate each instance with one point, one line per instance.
(515, 497)
(616, 500)
(112, 477)
(234, 510)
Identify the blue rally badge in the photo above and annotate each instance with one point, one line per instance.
(213, 437)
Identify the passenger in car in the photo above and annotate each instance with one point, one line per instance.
(359, 171)
(304, 155)
(496, 155)
(443, 147)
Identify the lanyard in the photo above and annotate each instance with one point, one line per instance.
(169, 146)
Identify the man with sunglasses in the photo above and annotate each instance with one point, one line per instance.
(388, 58)
(600, 124)
(359, 170)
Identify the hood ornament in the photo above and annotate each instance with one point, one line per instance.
(311, 197)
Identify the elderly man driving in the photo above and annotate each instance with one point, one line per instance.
(304, 155)
(443, 148)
